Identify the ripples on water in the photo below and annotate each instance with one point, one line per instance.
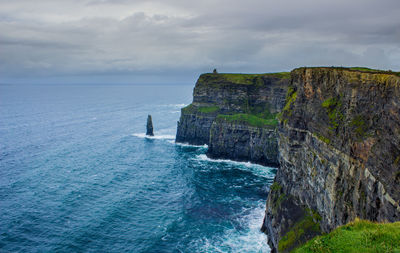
(77, 174)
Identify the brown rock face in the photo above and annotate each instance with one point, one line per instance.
(339, 145)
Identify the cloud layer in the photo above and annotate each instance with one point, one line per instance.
(154, 40)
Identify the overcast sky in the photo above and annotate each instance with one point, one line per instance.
(167, 41)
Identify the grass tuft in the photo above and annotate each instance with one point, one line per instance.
(357, 236)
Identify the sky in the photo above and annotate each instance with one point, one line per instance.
(173, 41)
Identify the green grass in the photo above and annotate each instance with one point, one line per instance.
(357, 236)
(239, 78)
(359, 69)
(191, 109)
(247, 79)
(283, 75)
(364, 69)
(208, 109)
(333, 106)
(250, 119)
(291, 97)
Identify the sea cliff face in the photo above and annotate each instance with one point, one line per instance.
(235, 114)
(243, 142)
(339, 145)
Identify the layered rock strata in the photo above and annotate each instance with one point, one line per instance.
(243, 142)
(339, 145)
(229, 108)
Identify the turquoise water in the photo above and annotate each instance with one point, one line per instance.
(78, 175)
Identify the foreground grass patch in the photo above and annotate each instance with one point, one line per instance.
(357, 236)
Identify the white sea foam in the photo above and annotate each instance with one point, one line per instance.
(259, 170)
(156, 136)
(203, 157)
(188, 145)
(248, 238)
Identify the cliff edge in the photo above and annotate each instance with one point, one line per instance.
(339, 145)
(235, 114)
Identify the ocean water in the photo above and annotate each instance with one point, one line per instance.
(78, 175)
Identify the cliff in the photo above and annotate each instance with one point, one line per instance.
(339, 145)
(228, 108)
(242, 141)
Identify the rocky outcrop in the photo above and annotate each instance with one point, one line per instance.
(239, 97)
(339, 145)
(149, 126)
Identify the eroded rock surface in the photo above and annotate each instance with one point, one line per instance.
(339, 145)
(245, 105)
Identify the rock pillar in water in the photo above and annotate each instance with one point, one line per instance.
(149, 126)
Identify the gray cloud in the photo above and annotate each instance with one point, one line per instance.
(176, 38)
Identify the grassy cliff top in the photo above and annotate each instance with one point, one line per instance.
(357, 236)
(238, 78)
(354, 69)
(358, 75)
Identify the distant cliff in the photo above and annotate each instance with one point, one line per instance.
(235, 114)
(339, 145)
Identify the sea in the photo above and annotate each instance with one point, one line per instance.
(78, 174)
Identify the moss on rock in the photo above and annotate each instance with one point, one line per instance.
(309, 224)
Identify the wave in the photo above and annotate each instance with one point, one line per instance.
(156, 136)
(204, 157)
(257, 169)
(247, 239)
(188, 145)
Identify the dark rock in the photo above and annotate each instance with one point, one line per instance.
(243, 142)
(149, 126)
(228, 94)
(339, 145)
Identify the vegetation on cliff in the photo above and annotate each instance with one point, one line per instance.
(333, 106)
(249, 119)
(191, 109)
(238, 78)
(357, 69)
(309, 224)
(291, 96)
(357, 236)
(339, 154)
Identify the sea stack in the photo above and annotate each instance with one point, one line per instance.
(149, 126)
